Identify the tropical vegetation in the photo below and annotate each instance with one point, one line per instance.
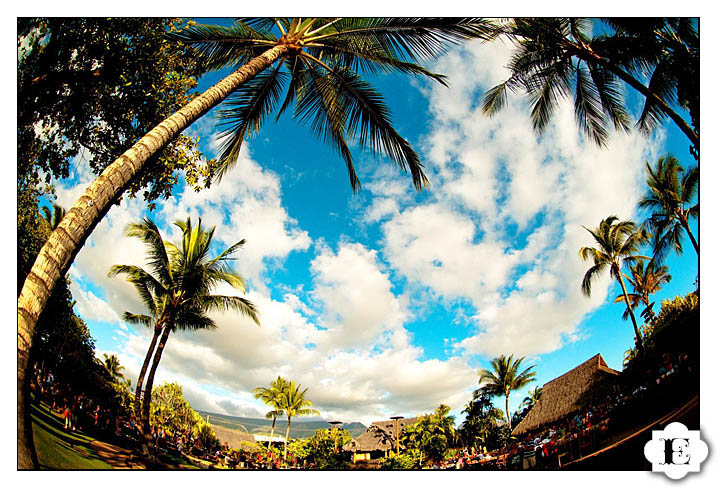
(293, 402)
(505, 376)
(172, 414)
(431, 435)
(324, 57)
(178, 292)
(91, 88)
(272, 396)
(483, 427)
(558, 57)
(645, 281)
(671, 191)
(617, 243)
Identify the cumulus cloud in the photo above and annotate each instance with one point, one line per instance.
(356, 295)
(504, 221)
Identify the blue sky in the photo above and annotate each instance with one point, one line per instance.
(388, 301)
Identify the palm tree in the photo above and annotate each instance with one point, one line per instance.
(555, 57)
(618, 243)
(532, 398)
(321, 58)
(294, 403)
(667, 50)
(504, 378)
(53, 216)
(178, 289)
(112, 364)
(272, 396)
(669, 201)
(645, 281)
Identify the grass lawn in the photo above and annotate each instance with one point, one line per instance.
(59, 449)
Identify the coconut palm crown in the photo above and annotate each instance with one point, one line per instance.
(645, 281)
(617, 243)
(320, 75)
(556, 58)
(112, 364)
(505, 376)
(669, 199)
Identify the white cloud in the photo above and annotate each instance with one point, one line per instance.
(356, 295)
(246, 204)
(502, 226)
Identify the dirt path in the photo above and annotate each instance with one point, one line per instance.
(118, 458)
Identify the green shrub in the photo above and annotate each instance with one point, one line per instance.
(404, 461)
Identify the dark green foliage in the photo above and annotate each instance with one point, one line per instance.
(324, 449)
(668, 49)
(559, 58)
(404, 461)
(670, 199)
(91, 87)
(674, 331)
(482, 426)
(432, 435)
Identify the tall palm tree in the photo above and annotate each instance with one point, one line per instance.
(645, 281)
(321, 59)
(618, 243)
(272, 396)
(152, 298)
(112, 364)
(556, 57)
(178, 288)
(293, 402)
(671, 191)
(505, 377)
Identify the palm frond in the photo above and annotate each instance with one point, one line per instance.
(217, 47)
(244, 113)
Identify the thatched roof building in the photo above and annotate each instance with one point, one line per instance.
(379, 437)
(569, 393)
(241, 439)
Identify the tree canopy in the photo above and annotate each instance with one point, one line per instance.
(90, 87)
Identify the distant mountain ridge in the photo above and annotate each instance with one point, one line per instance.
(299, 429)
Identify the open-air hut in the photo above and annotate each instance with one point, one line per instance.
(377, 440)
(569, 393)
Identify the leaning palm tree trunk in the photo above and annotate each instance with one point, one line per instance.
(508, 416)
(60, 249)
(639, 343)
(271, 433)
(286, 438)
(147, 398)
(684, 223)
(590, 55)
(141, 377)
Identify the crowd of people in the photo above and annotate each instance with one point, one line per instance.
(584, 430)
(80, 410)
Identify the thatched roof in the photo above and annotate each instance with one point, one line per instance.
(568, 393)
(379, 436)
(234, 438)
